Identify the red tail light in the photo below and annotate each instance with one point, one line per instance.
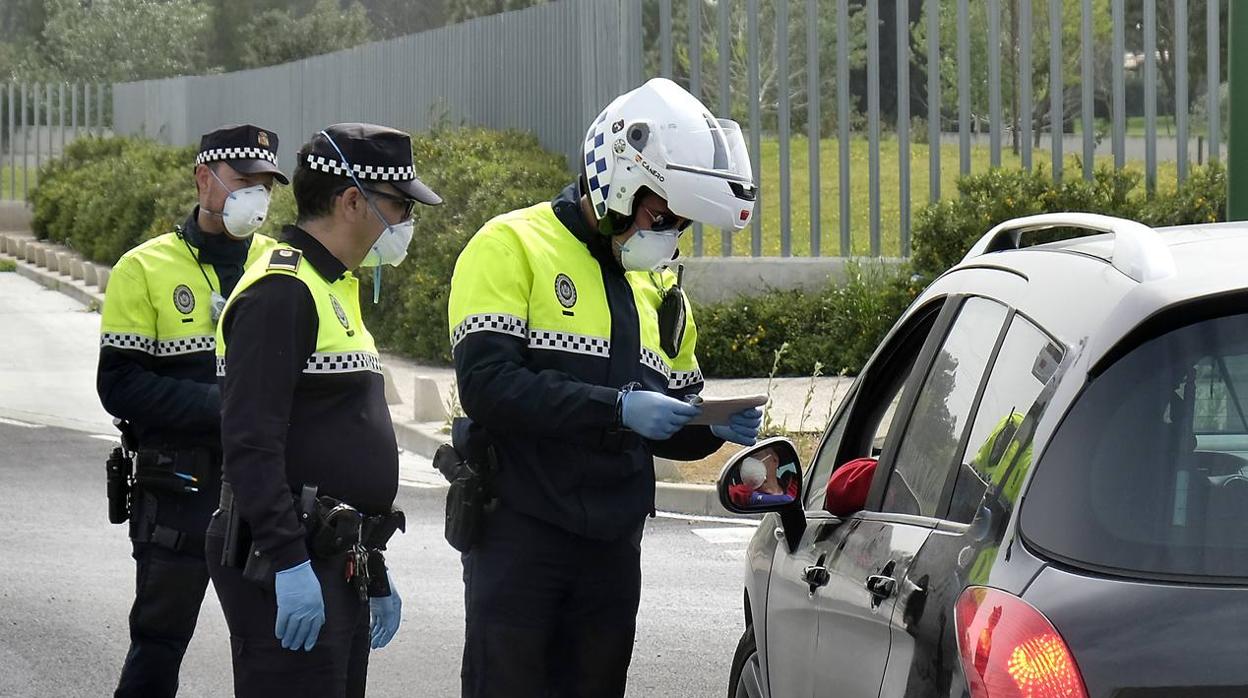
(1010, 650)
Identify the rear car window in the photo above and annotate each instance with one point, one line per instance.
(1148, 472)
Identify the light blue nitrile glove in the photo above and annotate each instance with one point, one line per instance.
(387, 612)
(300, 607)
(742, 427)
(656, 417)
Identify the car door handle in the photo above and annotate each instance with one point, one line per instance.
(816, 576)
(880, 587)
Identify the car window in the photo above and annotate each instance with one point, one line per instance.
(872, 404)
(1027, 360)
(1221, 384)
(1147, 474)
(929, 445)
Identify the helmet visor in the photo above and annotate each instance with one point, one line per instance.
(730, 159)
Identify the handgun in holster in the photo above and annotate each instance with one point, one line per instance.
(119, 473)
(468, 463)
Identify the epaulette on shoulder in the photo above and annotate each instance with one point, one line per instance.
(285, 259)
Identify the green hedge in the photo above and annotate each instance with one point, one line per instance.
(480, 174)
(837, 327)
(945, 230)
(106, 195)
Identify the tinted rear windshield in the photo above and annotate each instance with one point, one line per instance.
(1148, 473)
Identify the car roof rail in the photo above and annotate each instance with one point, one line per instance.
(1138, 250)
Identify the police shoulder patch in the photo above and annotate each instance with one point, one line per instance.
(285, 259)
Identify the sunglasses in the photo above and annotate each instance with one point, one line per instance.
(666, 220)
(409, 205)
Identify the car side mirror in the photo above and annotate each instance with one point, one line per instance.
(764, 478)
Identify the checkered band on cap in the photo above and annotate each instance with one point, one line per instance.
(490, 322)
(374, 173)
(217, 154)
(572, 343)
(344, 362)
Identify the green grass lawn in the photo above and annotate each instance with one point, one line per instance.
(890, 208)
(6, 182)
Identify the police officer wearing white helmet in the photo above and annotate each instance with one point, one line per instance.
(575, 356)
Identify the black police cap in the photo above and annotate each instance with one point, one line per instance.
(374, 153)
(246, 148)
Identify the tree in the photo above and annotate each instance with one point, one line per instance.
(119, 40)
(280, 36)
(463, 10)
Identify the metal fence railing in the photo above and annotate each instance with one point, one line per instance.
(37, 121)
(844, 101)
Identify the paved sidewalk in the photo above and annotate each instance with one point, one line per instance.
(36, 372)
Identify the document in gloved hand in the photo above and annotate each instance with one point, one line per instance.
(719, 410)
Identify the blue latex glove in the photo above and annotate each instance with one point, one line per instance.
(742, 427)
(387, 611)
(300, 608)
(656, 417)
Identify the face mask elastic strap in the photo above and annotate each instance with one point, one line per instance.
(351, 173)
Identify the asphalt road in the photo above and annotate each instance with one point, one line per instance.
(68, 581)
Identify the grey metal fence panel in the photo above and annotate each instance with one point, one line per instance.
(1057, 102)
(964, 88)
(1180, 85)
(1213, 81)
(12, 142)
(695, 86)
(496, 72)
(1118, 72)
(665, 38)
(933, 99)
(1085, 84)
(36, 122)
(873, 122)
(784, 117)
(842, 121)
(25, 145)
(725, 94)
(903, 124)
(1025, 108)
(812, 122)
(752, 39)
(994, 81)
(1150, 95)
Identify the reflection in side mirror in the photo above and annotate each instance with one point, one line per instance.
(767, 477)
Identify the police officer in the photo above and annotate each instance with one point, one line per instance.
(156, 371)
(575, 355)
(309, 447)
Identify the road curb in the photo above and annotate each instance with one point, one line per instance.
(54, 281)
(424, 438)
(421, 438)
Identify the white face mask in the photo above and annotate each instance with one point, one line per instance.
(245, 209)
(391, 246)
(648, 250)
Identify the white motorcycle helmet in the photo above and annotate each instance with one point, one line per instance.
(660, 137)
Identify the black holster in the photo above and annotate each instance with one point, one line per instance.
(468, 463)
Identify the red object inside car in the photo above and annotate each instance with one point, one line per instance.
(849, 485)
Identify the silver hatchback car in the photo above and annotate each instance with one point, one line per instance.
(1037, 487)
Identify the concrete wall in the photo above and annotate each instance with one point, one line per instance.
(14, 216)
(714, 279)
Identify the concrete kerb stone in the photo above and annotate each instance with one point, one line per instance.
(103, 274)
(77, 269)
(427, 401)
(30, 252)
(90, 274)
